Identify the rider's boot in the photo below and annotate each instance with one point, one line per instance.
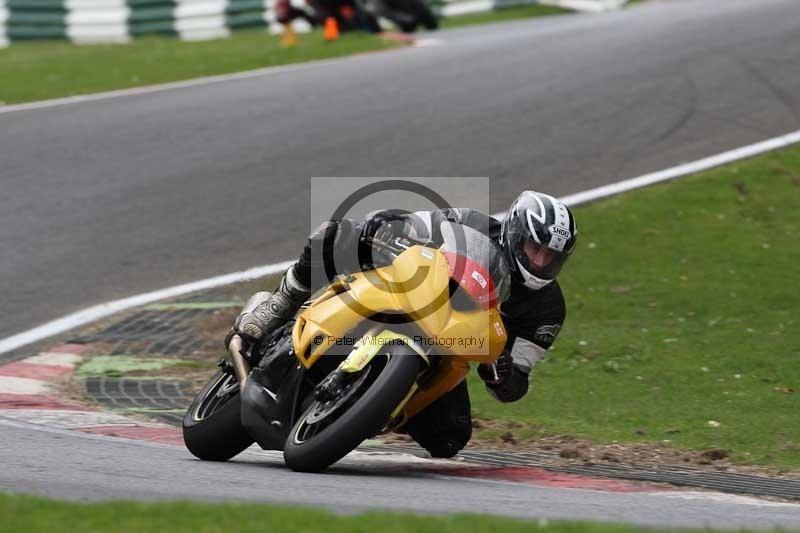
(273, 310)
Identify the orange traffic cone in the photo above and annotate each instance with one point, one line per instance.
(289, 37)
(331, 31)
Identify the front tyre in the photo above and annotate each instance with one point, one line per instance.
(327, 431)
(212, 427)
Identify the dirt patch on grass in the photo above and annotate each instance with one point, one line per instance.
(561, 450)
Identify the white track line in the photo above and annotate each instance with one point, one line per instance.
(195, 82)
(100, 311)
(589, 6)
(171, 86)
(683, 170)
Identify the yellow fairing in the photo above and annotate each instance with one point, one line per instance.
(415, 285)
(369, 347)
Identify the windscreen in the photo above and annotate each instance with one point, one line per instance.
(476, 263)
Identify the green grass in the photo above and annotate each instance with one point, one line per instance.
(502, 14)
(121, 365)
(32, 515)
(50, 69)
(683, 308)
(41, 70)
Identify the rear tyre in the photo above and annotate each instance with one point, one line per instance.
(326, 432)
(212, 426)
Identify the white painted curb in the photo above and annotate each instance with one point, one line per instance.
(98, 312)
(588, 6)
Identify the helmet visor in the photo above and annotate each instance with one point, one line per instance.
(539, 260)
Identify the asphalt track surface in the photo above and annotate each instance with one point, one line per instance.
(105, 199)
(136, 470)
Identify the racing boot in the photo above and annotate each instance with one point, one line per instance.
(264, 312)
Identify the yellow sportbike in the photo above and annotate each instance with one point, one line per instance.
(369, 352)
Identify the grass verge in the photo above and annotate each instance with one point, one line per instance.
(682, 319)
(503, 14)
(42, 70)
(51, 69)
(30, 514)
(117, 366)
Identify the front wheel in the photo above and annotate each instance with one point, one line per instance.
(327, 431)
(212, 426)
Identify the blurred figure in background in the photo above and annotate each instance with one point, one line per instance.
(349, 15)
(407, 15)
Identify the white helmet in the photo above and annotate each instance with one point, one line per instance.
(538, 234)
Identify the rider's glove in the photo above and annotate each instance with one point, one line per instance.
(496, 372)
(382, 225)
(504, 380)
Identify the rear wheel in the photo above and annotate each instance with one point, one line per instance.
(329, 430)
(212, 426)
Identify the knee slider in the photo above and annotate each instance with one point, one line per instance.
(445, 449)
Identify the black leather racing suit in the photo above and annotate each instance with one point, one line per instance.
(532, 318)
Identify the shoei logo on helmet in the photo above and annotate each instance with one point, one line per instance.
(562, 232)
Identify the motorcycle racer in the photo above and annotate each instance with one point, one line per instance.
(537, 236)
